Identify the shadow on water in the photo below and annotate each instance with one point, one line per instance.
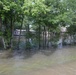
(25, 54)
(48, 52)
(28, 53)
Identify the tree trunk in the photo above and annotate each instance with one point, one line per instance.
(0, 23)
(2, 43)
(11, 23)
(45, 36)
(20, 33)
(43, 39)
(39, 37)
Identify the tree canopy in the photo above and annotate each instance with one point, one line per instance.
(49, 13)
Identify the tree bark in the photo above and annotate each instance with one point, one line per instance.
(20, 33)
(39, 37)
(45, 36)
(11, 23)
(0, 23)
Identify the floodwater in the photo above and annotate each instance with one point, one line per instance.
(44, 59)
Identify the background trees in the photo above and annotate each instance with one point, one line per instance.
(43, 15)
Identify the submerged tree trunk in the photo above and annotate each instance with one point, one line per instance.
(2, 38)
(0, 23)
(39, 37)
(43, 39)
(11, 38)
(45, 36)
(20, 33)
(28, 43)
(48, 37)
(2, 43)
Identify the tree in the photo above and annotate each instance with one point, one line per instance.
(10, 12)
(46, 15)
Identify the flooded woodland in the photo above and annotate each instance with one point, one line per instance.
(37, 37)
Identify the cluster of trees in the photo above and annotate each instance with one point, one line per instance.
(39, 13)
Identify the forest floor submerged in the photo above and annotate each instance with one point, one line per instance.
(56, 62)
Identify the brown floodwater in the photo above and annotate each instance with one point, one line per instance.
(20, 65)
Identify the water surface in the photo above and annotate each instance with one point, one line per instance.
(20, 65)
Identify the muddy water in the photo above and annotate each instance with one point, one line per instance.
(19, 65)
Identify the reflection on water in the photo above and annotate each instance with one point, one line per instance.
(18, 65)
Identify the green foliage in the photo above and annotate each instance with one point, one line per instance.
(28, 45)
(49, 13)
(1, 33)
(72, 29)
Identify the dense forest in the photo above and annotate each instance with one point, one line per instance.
(40, 16)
